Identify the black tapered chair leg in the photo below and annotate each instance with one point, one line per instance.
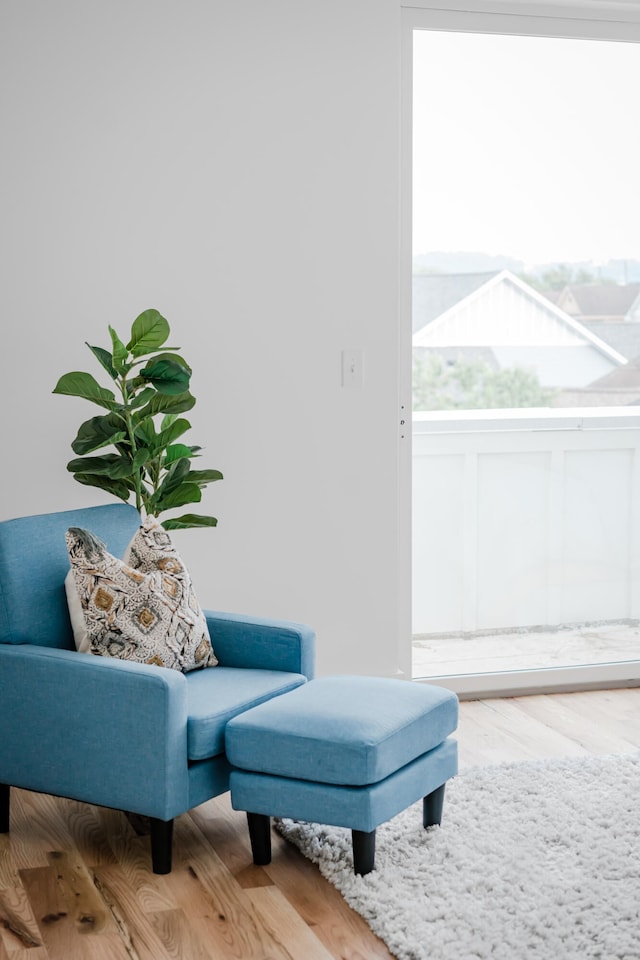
(161, 844)
(364, 851)
(260, 836)
(4, 807)
(432, 808)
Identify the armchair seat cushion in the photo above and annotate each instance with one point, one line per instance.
(215, 696)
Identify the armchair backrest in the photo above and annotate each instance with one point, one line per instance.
(34, 563)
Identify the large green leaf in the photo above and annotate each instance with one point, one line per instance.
(178, 497)
(99, 432)
(148, 332)
(174, 357)
(189, 520)
(167, 420)
(174, 476)
(167, 376)
(108, 465)
(170, 431)
(145, 433)
(105, 359)
(141, 398)
(161, 403)
(78, 384)
(120, 352)
(176, 451)
(203, 476)
(142, 456)
(116, 487)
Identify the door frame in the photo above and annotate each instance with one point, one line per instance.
(614, 20)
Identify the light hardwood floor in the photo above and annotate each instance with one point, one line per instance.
(75, 882)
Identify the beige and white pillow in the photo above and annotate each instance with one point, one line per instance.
(142, 608)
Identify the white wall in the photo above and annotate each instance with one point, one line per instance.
(236, 166)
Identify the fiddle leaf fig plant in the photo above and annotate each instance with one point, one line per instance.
(142, 428)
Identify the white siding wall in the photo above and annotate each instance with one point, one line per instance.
(502, 314)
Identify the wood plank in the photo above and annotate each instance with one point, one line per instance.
(16, 952)
(530, 738)
(227, 832)
(137, 934)
(615, 714)
(181, 938)
(134, 857)
(341, 930)
(226, 920)
(496, 731)
(37, 828)
(8, 869)
(128, 838)
(285, 925)
(66, 935)
(87, 832)
(567, 714)
(19, 928)
(85, 906)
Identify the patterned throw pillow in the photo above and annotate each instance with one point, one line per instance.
(142, 608)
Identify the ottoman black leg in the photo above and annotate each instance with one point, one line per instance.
(260, 836)
(4, 807)
(432, 807)
(364, 851)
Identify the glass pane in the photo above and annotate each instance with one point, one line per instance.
(526, 289)
(526, 321)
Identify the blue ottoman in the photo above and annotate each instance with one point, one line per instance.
(348, 751)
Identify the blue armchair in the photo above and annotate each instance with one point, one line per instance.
(119, 734)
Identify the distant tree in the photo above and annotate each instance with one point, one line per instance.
(473, 385)
(560, 276)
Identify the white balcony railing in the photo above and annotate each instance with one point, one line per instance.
(525, 518)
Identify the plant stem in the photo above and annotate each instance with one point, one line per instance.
(137, 479)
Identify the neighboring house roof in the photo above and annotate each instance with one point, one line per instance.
(622, 335)
(553, 295)
(502, 310)
(520, 327)
(618, 388)
(623, 378)
(435, 293)
(597, 398)
(599, 300)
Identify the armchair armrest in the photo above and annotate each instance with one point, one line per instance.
(93, 728)
(242, 641)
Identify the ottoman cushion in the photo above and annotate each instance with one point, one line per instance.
(347, 730)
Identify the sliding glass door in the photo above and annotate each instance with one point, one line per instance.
(525, 349)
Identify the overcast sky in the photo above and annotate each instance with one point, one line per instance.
(526, 146)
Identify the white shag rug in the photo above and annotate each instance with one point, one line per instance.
(539, 859)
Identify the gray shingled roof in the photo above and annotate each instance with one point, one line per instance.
(605, 397)
(437, 292)
(604, 299)
(622, 335)
(622, 378)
